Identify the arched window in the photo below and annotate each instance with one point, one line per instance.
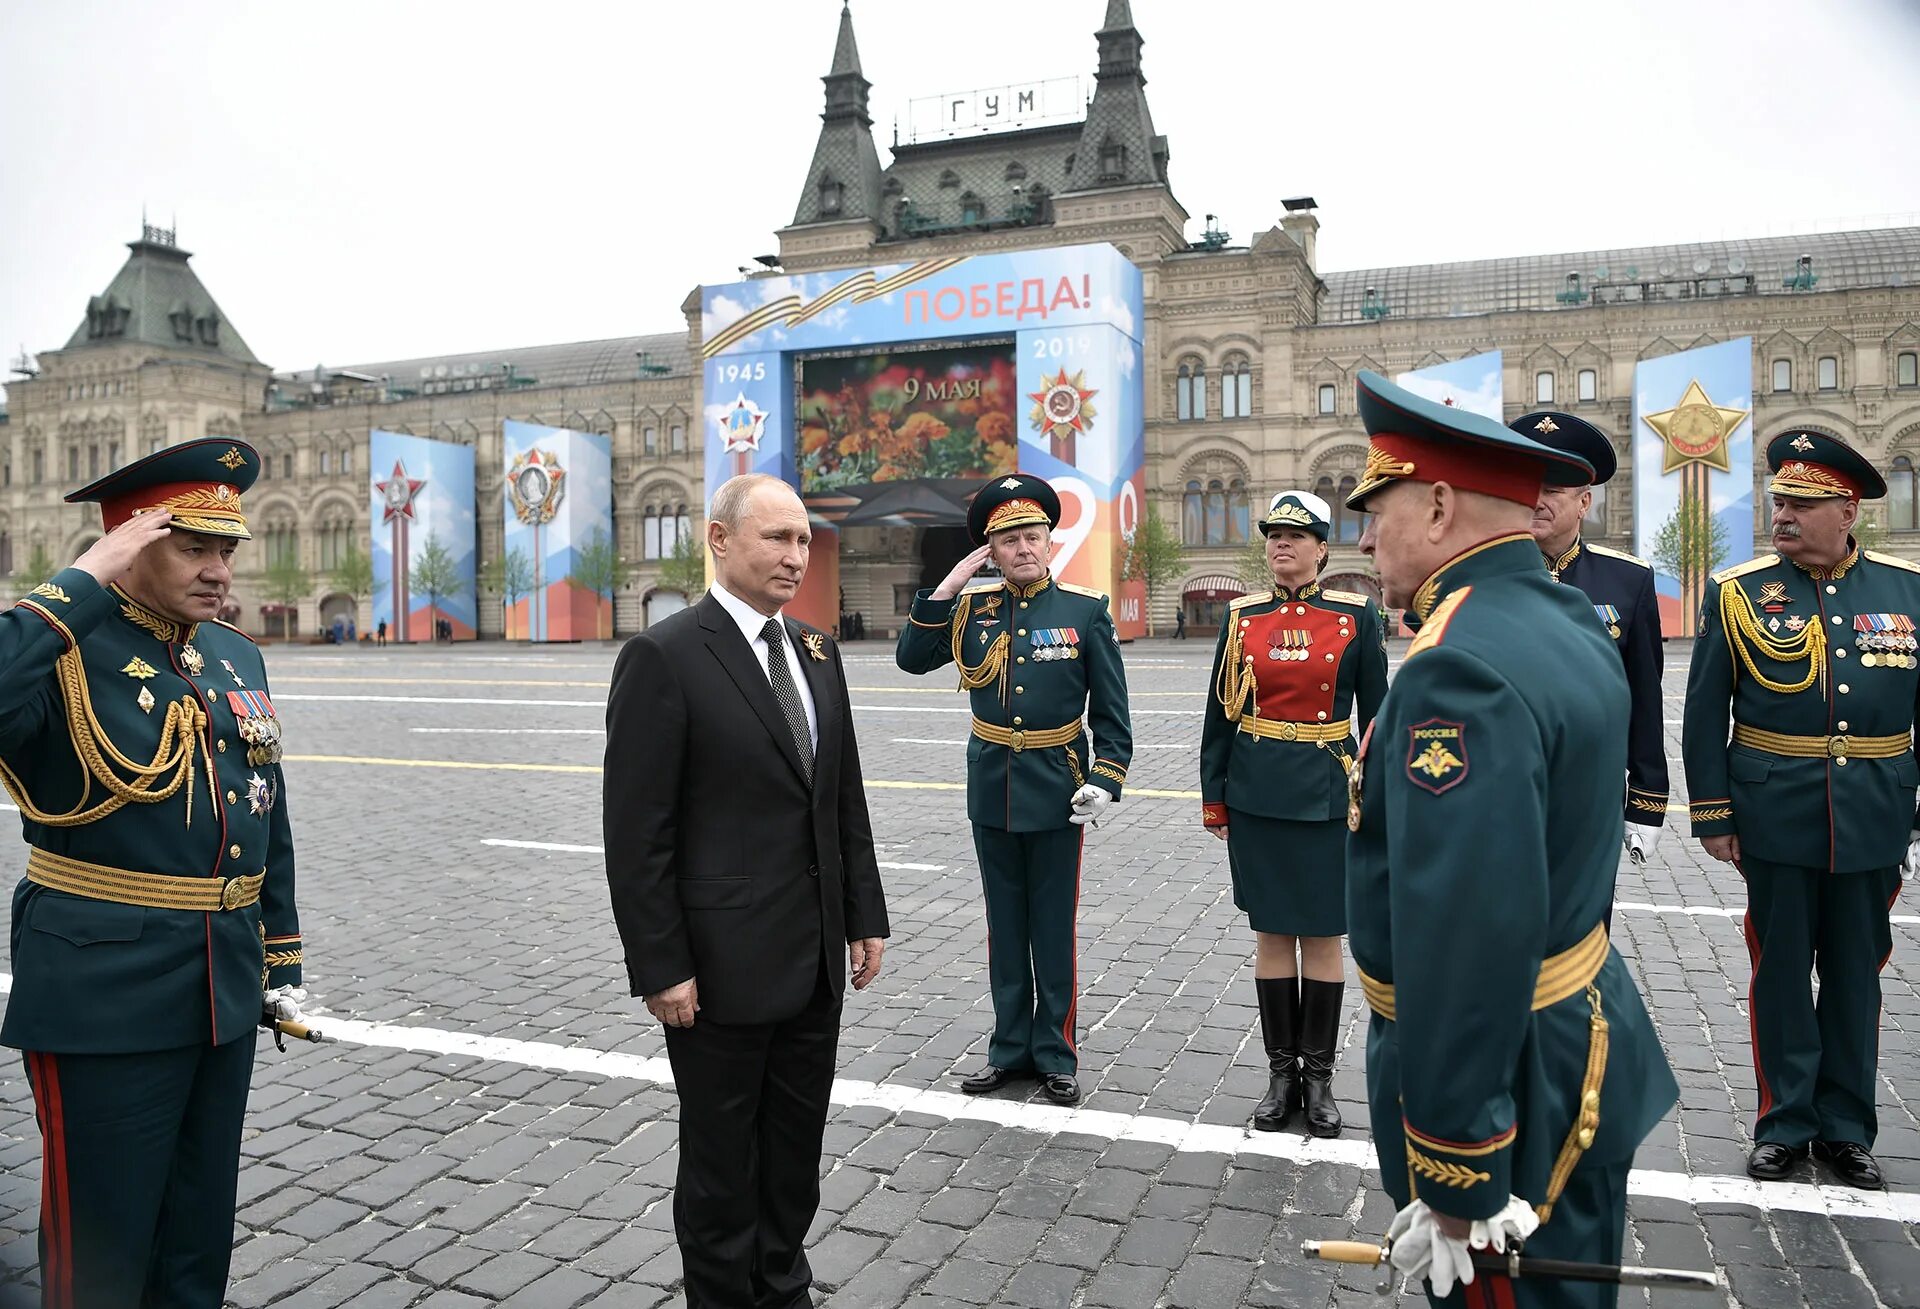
(1236, 388)
(1193, 529)
(650, 532)
(1906, 369)
(1827, 374)
(1216, 511)
(677, 436)
(1543, 388)
(1326, 397)
(1190, 392)
(1587, 383)
(649, 441)
(1239, 513)
(1902, 513)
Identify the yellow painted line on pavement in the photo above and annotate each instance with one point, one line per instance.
(372, 761)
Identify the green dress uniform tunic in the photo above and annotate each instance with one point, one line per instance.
(1508, 1052)
(1275, 747)
(156, 906)
(1042, 666)
(1798, 730)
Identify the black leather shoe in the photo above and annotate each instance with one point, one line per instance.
(1771, 1161)
(1061, 1088)
(992, 1078)
(1851, 1163)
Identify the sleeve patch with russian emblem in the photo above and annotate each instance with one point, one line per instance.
(1437, 755)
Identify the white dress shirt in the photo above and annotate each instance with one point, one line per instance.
(751, 622)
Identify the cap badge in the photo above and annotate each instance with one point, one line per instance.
(1801, 443)
(232, 458)
(1011, 484)
(1546, 425)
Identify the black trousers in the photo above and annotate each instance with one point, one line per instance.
(753, 1111)
(140, 1168)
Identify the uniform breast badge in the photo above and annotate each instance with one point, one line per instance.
(1774, 597)
(1886, 640)
(191, 660)
(140, 668)
(1437, 755)
(1610, 616)
(258, 726)
(259, 795)
(816, 645)
(144, 700)
(232, 672)
(1051, 644)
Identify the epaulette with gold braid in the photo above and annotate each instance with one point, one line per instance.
(1435, 628)
(1753, 565)
(1087, 591)
(1348, 598)
(975, 588)
(1893, 561)
(231, 628)
(1610, 553)
(1257, 598)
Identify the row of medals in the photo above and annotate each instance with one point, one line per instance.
(1049, 653)
(1887, 650)
(1289, 644)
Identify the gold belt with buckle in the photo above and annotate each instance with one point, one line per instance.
(1276, 730)
(150, 890)
(1018, 739)
(1562, 975)
(1822, 747)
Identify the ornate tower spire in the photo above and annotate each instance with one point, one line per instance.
(843, 182)
(1118, 146)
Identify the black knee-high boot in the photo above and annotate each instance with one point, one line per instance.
(1320, 1004)
(1280, 1033)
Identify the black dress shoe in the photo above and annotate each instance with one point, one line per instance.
(992, 1078)
(1851, 1163)
(1061, 1088)
(1771, 1161)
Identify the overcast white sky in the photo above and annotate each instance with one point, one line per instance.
(365, 182)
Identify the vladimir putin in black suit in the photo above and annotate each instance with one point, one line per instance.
(740, 859)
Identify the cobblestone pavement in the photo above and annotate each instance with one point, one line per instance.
(492, 1129)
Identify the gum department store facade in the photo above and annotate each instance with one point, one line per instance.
(1255, 352)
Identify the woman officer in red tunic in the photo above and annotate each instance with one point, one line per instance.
(1292, 665)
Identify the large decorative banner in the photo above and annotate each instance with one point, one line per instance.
(423, 540)
(1693, 472)
(1472, 384)
(558, 558)
(889, 395)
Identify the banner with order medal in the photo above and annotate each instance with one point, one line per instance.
(421, 493)
(558, 554)
(1692, 472)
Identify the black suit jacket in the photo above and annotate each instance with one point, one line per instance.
(724, 865)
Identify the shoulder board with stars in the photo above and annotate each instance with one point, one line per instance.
(1753, 565)
(1347, 598)
(1434, 630)
(1257, 598)
(1893, 561)
(1609, 553)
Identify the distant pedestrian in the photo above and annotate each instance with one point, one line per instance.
(1180, 624)
(353, 633)
(380, 633)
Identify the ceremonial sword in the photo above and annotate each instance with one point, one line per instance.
(281, 1028)
(1519, 1266)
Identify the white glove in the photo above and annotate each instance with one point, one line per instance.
(1421, 1249)
(1638, 846)
(1088, 801)
(284, 1002)
(1912, 866)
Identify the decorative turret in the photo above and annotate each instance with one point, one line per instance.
(1118, 146)
(156, 299)
(843, 182)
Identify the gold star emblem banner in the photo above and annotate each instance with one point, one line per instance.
(1692, 472)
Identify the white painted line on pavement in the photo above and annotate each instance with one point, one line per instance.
(441, 699)
(597, 849)
(10, 808)
(1201, 1138)
(512, 731)
(1713, 911)
(544, 845)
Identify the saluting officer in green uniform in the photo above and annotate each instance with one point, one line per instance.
(137, 738)
(1275, 745)
(1511, 1066)
(1798, 743)
(1042, 662)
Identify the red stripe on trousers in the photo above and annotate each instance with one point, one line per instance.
(1073, 962)
(56, 1218)
(1753, 1018)
(1489, 1291)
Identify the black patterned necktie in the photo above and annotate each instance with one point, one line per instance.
(787, 693)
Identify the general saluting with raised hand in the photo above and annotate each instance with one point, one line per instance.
(155, 925)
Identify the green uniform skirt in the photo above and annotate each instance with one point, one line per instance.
(1289, 878)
